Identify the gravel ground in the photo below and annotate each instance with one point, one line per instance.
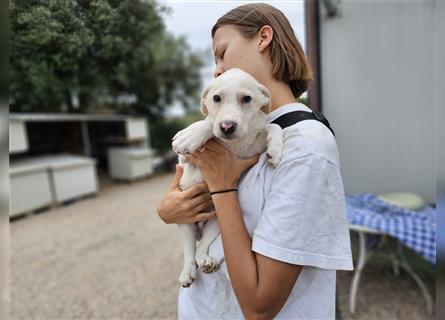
(382, 295)
(106, 257)
(110, 257)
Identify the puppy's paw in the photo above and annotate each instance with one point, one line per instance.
(274, 157)
(185, 141)
(207, 264)
(188, 276)
(192, 137)
(274, 144)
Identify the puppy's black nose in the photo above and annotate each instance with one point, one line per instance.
(228, 127)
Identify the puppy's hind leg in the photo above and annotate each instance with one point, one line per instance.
(206, 263)
(188, 235)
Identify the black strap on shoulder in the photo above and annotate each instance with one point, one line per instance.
(293, 117)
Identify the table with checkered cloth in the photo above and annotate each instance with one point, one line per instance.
(415, 229)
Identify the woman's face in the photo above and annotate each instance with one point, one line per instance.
(232, 50)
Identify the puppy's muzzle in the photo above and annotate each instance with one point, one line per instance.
(227, 127)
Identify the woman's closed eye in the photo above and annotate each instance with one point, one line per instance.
(219, 55)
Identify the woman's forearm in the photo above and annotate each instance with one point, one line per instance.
(240, 259)
(261, 284)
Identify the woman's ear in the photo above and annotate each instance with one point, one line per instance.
(204, 93)
(265, 37)
(266, 101)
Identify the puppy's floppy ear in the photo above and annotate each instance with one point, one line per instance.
(204, 93)
(266, 98)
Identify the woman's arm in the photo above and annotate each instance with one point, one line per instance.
(185, 206)
(262, 285)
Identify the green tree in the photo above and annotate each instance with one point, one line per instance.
(102, 53)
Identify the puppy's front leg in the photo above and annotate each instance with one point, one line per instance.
(274, 143)
(192, 137)
(205, 262)
(188, 234)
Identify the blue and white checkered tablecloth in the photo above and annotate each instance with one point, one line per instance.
(415, 229)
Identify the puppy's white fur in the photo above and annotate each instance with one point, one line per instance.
(252, 135)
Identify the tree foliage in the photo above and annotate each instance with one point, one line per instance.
(113, 54)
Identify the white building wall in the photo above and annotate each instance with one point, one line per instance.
(377, 74)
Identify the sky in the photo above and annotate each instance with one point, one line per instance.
(195, 19)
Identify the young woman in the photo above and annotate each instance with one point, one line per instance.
(284, 232)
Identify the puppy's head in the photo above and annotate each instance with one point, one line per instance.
(234, 101)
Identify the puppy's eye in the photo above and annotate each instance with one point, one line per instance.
(246, 99)
(216, 98)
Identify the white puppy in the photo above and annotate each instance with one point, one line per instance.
(234, 105)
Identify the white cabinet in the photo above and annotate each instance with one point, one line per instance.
(18, 139)
(40, 181)
(126, 163)
(136, 129)
(30, 188)
(73, 177)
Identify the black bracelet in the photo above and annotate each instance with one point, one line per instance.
(223, 191)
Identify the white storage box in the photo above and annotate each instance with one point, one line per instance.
(136, 129)
(30, 187)
(129, 163)
(72, 177)
(18, 139)
(65, 176)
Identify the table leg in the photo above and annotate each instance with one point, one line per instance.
(358, 270)
(395, 264)
(404, 264)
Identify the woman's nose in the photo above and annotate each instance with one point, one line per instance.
(219, 70)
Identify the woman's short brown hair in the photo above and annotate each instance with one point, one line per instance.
(288, 59)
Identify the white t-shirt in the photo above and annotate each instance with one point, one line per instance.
(294, 213)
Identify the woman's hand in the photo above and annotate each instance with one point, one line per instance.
(219, 167)
(185, 206)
